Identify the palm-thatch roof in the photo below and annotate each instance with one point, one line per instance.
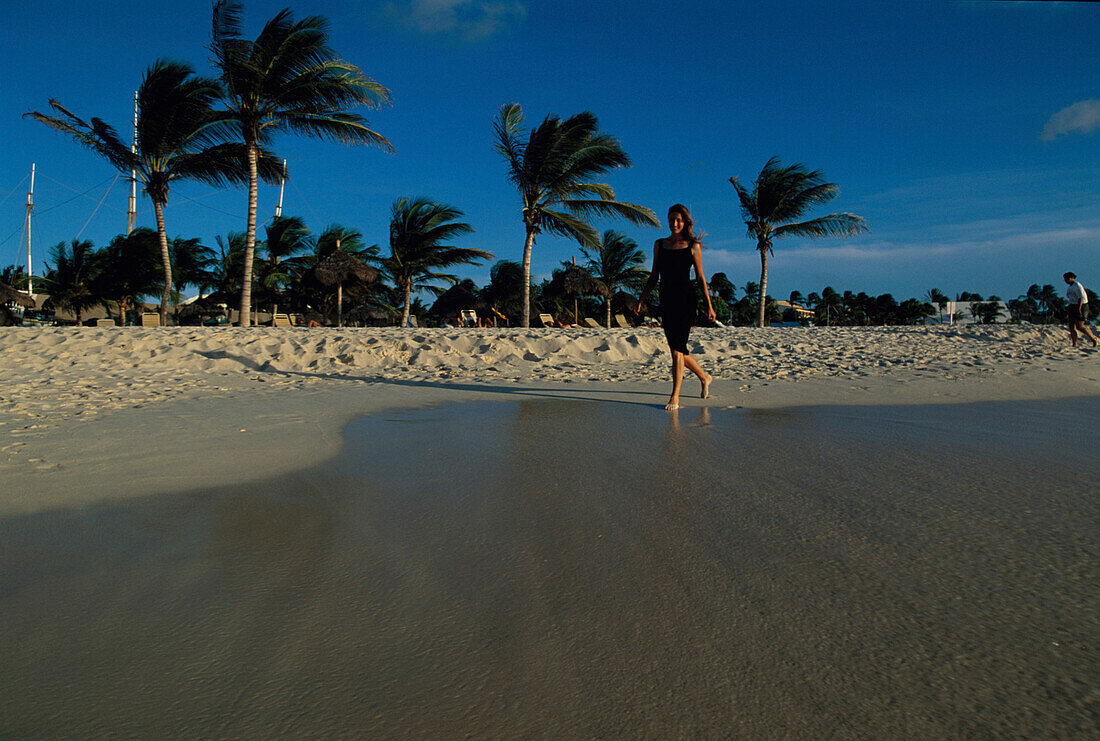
(576, 281)
(340, 267)
(12, 296)
(624, 300)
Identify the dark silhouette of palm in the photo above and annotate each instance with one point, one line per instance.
(179, 135)
(618, 262)
(781, 195)
(288, 79)
(70, 278)
(553, 171)
(419, 231)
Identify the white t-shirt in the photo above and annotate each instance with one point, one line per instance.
(1076, 294)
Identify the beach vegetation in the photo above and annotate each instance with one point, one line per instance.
(128, 269)
(179, 136)
(554, 166)
(619, 263)
(780, 196)
(287, 80)
(420, 230)
(70, 278)
(504, 291)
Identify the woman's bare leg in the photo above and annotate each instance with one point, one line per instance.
(1084, 327)
(677, 380)
(704, 377)
(1073, 334)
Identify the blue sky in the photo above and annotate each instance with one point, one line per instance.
(966, 133)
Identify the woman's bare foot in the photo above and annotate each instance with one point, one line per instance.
(673, 404)
(704, 390)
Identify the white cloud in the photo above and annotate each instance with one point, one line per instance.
(470, 20)
(1082, 117)
(1001, 247)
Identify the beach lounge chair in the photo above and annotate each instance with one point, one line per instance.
(547, 320)
(281, 320)
(590, 322)
(150, 319)
(469, 317)
(620, 321)
(105, 322)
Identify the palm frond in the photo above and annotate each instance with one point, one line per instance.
(569, 226)
(833, 225)
(633, 213)
(507, 128)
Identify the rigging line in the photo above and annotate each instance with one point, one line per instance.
(14, 189)
(317, 219)
(20, 230)
(101, 200)
(192, 200)
(74, 190)
(59, 205)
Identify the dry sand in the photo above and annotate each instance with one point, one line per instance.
(94, 413)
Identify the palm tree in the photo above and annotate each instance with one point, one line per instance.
(70, 279)
(617, 262)
(288, 79)
(781, 195)
(128, 269)
(504, 292)
(178, 136)
(286, 237)
(939, 299)
(552, 171)
(418, 229)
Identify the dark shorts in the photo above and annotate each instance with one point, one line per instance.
(1077, 314)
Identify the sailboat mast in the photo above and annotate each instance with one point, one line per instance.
(282, 182)
(30, 207)
(131, 213)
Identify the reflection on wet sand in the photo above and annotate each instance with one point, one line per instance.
(579, 569)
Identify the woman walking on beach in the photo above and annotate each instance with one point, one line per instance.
(1078, 302)
(673, 258)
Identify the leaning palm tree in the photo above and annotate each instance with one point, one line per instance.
(178, 136)
(419, 229)
(552, 170)
(781, 195)
(617, 262)
(288, 79)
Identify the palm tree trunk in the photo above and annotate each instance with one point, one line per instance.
(166, 261)
(763, 287)
(406, 289)
(527, 245)
(340, 304)
(249, 238)
(609, 312)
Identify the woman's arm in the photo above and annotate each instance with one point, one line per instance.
(649, 284)
(697, 259)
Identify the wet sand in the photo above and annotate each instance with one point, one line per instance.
(579, 569)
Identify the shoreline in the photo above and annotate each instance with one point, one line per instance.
(90, 416)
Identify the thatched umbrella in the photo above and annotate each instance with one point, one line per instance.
(338, 268)
(200, 309)
(576, 281)
(9, 295)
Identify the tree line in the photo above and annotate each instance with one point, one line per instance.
(219, 129)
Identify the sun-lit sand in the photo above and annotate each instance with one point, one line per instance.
(88, 413)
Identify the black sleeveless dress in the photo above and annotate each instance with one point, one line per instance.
(677, 295)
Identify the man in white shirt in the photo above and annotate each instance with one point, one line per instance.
(1078, 299)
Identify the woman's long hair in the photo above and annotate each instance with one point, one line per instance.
(688, 233)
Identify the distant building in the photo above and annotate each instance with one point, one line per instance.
(800, 311)
(963, 312)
